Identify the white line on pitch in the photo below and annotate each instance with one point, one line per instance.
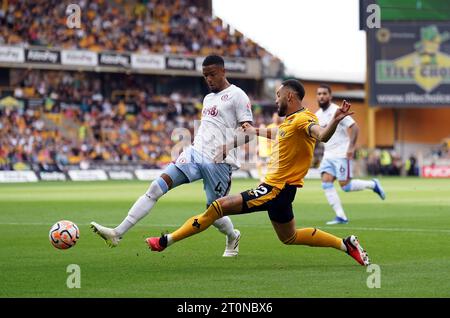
(385, 229)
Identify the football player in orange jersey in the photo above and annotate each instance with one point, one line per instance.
(290, 160)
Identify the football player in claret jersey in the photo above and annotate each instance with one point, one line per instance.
(290, 160)
(212, 156)
(338, 155)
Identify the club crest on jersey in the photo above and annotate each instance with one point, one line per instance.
(281, 133)
(225, 97)
(196, 224)
(211, 111)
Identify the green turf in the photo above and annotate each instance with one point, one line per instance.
(407, 236)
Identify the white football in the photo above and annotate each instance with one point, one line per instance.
(64, 234)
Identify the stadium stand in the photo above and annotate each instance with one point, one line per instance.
(78, 122)
(158, 26)
(61, 119)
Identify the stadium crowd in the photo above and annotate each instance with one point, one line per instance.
(28, 140)
(159, 26)
(79, 119)
(35, 138)
(386, 162)
(108, 134)
(79, 122)
(92, 90)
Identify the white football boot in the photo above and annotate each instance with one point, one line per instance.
(232, 246)
(109, 235)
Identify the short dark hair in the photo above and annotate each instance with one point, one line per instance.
(296, 86)
(214, 60)
(326, 86)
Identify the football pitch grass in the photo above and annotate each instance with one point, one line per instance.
(407, 235)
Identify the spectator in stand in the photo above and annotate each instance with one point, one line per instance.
(411, 166)
(385, 162)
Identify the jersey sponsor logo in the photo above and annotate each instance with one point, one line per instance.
(211, 111)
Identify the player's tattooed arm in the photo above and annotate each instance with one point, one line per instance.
(270, 133)
(324, 134)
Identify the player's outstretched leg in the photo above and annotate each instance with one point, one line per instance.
(138, 211)
(358, 185)
(142, 207)
(169, 179)
(318, 238)
(192, 226)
